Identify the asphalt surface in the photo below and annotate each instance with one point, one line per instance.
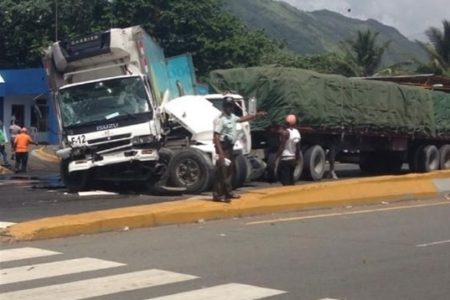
(39, 193)
(391, 251)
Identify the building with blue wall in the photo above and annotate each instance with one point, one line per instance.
(25, 98)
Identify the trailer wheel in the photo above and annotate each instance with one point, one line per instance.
(414, 158)
(428, 159)
(192, 169)
(165, 156)
(74, 181)
(444, 154)
(299, 167)
(315, 163)
(240, 171)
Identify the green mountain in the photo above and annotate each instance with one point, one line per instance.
(318, 31)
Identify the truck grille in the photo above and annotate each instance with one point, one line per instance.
(110, 138)
(105, 147)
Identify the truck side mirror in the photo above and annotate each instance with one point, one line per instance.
(252, 106)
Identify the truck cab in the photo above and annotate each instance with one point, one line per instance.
(106, 108)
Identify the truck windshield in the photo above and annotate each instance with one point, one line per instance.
(103, 100)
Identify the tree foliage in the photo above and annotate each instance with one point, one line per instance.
(215, 38)
(363, 54)
(438, 49)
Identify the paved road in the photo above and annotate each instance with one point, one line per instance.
(399, 251)
(39, 193)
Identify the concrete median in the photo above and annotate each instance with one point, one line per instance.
(255, 202)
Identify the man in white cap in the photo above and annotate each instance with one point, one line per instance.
(288, 151)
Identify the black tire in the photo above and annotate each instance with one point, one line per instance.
(192, 169)
(299, 167)
(414, 158)
(240, 171)
(444, 155)
(428, 159)
(74, 181)
(314, 163)
(165, 156)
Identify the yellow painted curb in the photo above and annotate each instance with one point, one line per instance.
(43, 155)
(270, 200)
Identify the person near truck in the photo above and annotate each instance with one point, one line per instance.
(225, 136)
(21, 145)
(288, 151)
(14, 130)
(3, 145)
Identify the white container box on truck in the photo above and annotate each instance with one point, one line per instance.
(106, 108)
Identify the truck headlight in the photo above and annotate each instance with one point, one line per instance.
(143, 139)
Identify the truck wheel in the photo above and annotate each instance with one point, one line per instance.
(240, 171)
(444, 154)
(315, 163)
(414, 157)
(74, 181)
(428, 159)
(165, 156)
(299, 168)
(192, 169)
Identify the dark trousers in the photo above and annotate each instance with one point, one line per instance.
(224, 175)
(21, 161)
(286, 170)
(3, 154)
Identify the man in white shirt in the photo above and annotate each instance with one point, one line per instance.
(289, 151)
(225, 135)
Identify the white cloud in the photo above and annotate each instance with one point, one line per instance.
(411, 18)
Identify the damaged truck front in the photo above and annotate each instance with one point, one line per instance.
(106, 109)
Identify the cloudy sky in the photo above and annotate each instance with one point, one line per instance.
(411, 17)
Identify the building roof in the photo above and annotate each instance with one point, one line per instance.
(23, 82)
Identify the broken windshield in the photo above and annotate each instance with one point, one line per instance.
(103, 100)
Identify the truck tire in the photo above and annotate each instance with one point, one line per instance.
(314, 163)
(165, 156)
(240, 171)
(444, 155)
(299, 167)
(428, 159)
(74, 181)
(414, 157)
(192, 169)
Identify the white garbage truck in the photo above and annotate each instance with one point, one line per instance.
(118, 121)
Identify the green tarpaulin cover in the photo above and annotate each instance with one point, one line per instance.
(336, 102)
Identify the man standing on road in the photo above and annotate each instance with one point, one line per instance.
(225, 135)
(21, 143)
(288, 151)
(14, 130)
(3, 145)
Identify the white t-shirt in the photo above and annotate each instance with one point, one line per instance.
(226, 126)
(291, 144)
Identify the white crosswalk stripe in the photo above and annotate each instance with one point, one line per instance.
(24, 253)
(231, 291)
(105, 285)
(99, 286)
(53, 269)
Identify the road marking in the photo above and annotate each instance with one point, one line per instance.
(24, 253)
(3, 225)
(433, 243)
(99, 286)
(366, 211)
(96, 193)
(231, 291)
(53, 269)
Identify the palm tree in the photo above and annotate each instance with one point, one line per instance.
(363, 54)
(438, 48)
